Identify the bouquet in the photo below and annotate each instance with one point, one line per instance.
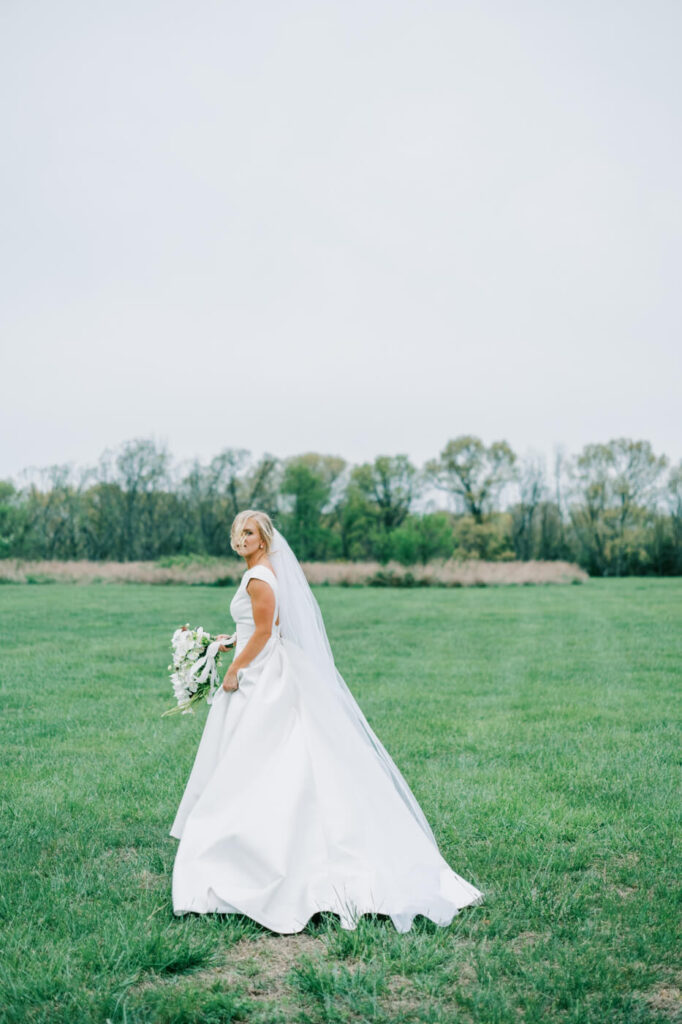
(194, 672)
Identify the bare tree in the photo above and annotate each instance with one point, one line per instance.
(261, 485)
(532, 491)
(212, 499)
(142, 470)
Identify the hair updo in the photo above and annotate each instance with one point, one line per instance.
(263, 521)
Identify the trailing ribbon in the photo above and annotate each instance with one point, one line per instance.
(208, 667)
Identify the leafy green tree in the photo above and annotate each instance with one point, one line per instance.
(616, 516)
(10, 516)
(355, 521)
(674, 499)
(472, 474)
(490, 540)
(307, 484)
(424, 538)
(671, 559)
(381, 494)
(390, 484)
(615, 488)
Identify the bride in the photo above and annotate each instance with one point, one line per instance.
(293, 806)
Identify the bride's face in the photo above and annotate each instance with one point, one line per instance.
(250, 541)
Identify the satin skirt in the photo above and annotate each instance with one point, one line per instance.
(289, 812)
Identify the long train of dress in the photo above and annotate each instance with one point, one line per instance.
(287, 812)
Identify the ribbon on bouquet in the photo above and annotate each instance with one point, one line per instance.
(206, 663)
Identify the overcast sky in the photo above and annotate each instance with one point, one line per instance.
(357, 227)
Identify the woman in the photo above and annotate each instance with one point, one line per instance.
(293, 806)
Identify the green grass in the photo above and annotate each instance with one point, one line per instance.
(537, 726)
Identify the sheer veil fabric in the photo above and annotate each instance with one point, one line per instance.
(302, 623)
(293, 806)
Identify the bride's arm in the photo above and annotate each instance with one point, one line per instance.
(263, 607)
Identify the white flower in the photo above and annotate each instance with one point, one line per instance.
(188, 645)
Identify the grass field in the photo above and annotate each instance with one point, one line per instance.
(537, 726)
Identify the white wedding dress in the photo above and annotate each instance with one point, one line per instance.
(287, 813)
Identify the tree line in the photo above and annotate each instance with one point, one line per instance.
(615, 508)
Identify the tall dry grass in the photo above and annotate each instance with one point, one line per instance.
(452, 573)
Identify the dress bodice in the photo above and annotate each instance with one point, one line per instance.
(241, 609)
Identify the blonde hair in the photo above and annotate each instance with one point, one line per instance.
(263, 521)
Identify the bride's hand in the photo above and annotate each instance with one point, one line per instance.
(230, 682)
(224, 647)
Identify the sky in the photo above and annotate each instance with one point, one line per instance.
(356, 227)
